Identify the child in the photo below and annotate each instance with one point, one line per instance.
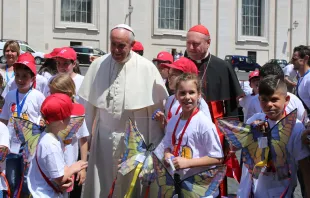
(245, 101)
(164, 57)
(63, 83)
(4, 149)
(200, 145)
(49, 68)
(66, 61)
(294, 102)
(24, 102)
(273, 99)
(173, 107)
(48, 170)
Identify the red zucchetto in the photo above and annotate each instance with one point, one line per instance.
(201, 29)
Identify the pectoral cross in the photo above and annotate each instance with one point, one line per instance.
(109, 98)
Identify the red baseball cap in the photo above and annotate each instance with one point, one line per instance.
(253, 74)
(59, 106)
(53, 53)
(137, 46)
(164, 56)
(66, 53)
(183, 64)
(27, 60)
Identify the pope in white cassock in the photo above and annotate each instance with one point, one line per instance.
(117, 86)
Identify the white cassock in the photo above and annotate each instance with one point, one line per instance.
(136, 91)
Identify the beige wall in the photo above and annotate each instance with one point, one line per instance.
(43, 33)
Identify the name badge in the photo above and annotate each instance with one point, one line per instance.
(15, 145)
(262, 142)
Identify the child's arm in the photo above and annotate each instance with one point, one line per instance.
(181, 162)
(68, 171)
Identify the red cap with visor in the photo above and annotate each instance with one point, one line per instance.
(53, 53)
(67, 53)
(183, 64)
(27, 60)
(59, 106)
(164, 57)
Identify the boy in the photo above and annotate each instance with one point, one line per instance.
(4, 149)
(294, 102)
(245, 101)
(24, 102)
(48, 171)
(273, 99)
(164, 57)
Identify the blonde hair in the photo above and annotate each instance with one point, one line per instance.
(63, 83)
(13, 45)
(187, 77)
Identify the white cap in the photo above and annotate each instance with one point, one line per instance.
(124, 26)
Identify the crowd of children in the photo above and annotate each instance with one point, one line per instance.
(47, 101)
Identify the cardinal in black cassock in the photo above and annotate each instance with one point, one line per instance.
(220, 86)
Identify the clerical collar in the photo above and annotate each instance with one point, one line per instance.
(202, 60)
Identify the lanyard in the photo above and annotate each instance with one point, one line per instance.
(7, 75)
(169, 112)
(176, 149)
(21, 104)
(300, 79)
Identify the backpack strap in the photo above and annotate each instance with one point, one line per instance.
(57, 190)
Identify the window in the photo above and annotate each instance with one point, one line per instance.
(252, 55)
(251, 17)
(252, 24)
(76, 11)
(77, 14)
(173, 17)
(171, 14)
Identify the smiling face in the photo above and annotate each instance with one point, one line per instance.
(121, 44)
(274, 105)
(23, 78)
(187, 94)
(65, 66)
(11, 55)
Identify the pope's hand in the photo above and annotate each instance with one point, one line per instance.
(67, 184)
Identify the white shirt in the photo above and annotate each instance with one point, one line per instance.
(244, 102)
(303, 89)
(51, 161)
(265, 185)
(41, 85)
(30, 111)
(245, 86)
(47, 75)
(293, 104)
(200, 139)
(290, 72)
(72, 150)
(4, 141)
(177, 109)
(7, 77)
